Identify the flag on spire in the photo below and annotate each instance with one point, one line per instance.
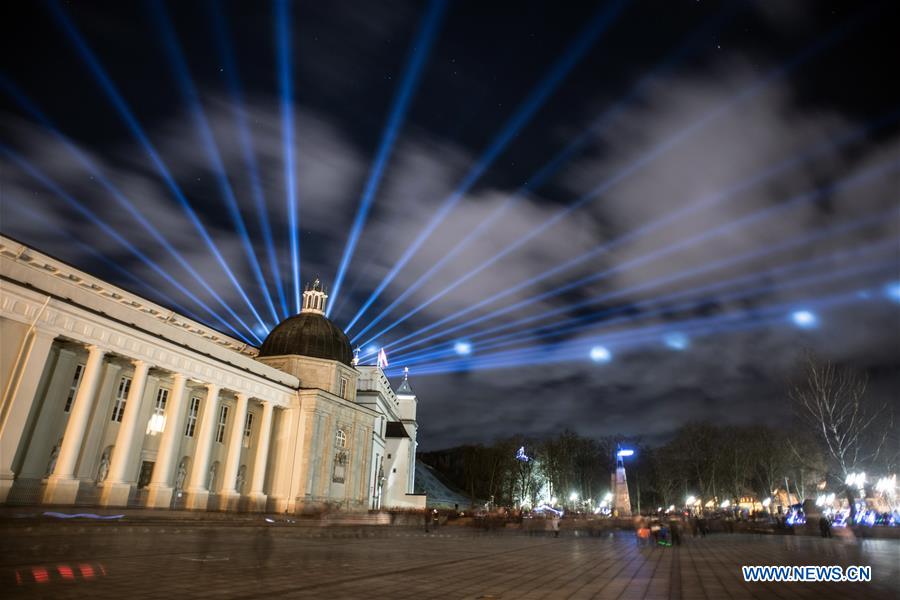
(382, 358)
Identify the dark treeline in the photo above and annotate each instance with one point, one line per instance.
(836, 428)
(556, 466)
(702, 459)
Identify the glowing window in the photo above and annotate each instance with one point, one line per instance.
(158, 419)
(340, 439)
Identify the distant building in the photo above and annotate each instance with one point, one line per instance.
(111, 399)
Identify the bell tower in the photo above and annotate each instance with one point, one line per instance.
(314, 298)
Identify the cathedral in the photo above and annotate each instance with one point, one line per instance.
(110, 399)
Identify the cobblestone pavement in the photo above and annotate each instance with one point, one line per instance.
(173, 560)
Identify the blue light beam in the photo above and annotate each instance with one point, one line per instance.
(418, 54)
(854, 180)
(601, 20)
(283, 48)
(120, 198)
(541, 176)
(232, 79)
(108, 230)
(191, 98)
(137, 131)
(677, 340)
(575, 351)
(671, 142)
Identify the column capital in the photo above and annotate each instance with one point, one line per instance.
(95, 349)
(44, 333)
(139, 363)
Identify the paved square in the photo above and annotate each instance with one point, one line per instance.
(241, 560)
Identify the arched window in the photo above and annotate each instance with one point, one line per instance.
(340, 439)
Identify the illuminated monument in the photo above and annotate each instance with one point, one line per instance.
(621, 500)
(111, 399)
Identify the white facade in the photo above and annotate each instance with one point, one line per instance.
(111, 399)
(392, 477)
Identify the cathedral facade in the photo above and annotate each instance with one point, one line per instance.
(110, 399)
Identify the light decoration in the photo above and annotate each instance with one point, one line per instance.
(554, 500)
(520, 455)
(624, 452)
(573, 496)
(766, 502)
(795, 517)
(726, 504)
(857, 480)
(825, 500)
(887, 485)
(690, 501)
(600, 354)
(547, 508)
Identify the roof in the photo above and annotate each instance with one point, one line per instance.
(395, 429)
(405, 389)
(308, 334)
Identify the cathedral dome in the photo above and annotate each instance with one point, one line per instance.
(309, 333)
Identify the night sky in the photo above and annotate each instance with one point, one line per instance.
(695, 193)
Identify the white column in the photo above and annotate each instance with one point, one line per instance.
(233, 458)
(115, 490)
(168, 443)
(159, 492)
(121, 454)
(62, 487)
(262, 455)
(19, 393)
(197, 491)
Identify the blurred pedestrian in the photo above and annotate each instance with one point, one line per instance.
(675, 532)
(825, 526)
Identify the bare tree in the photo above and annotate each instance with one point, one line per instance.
(851, 427)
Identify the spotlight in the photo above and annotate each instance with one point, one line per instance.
(676, 341)
(462, 348)
(599, 354)
(804, 319)
(893, 291)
